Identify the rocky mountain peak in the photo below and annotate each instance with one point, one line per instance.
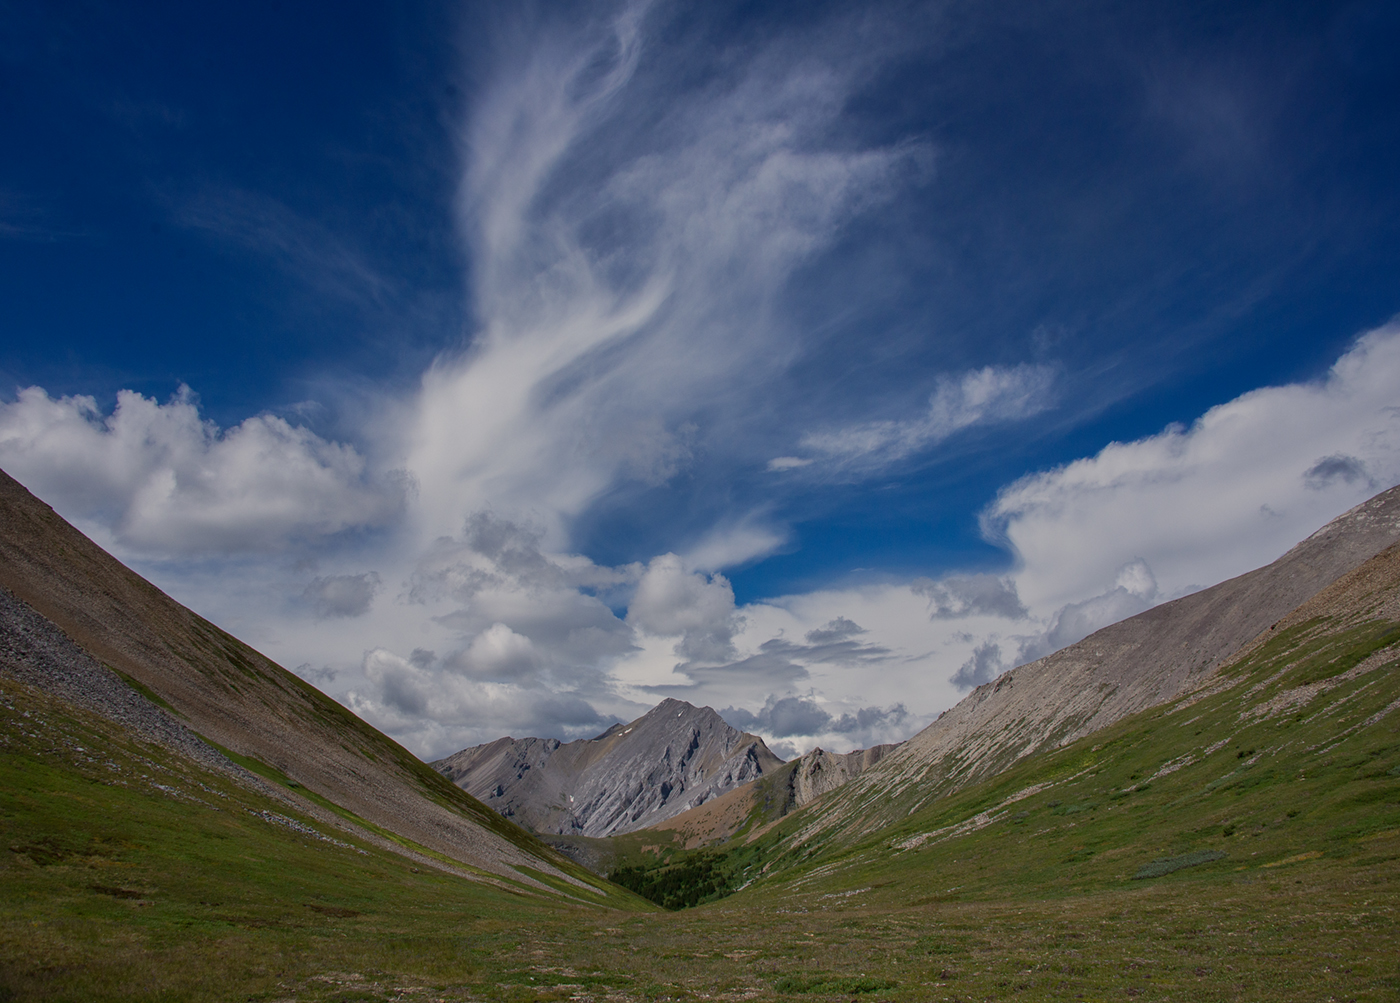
(674, 757)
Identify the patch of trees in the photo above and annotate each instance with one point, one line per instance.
(699, 877)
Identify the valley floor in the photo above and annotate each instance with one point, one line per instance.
(130, 877)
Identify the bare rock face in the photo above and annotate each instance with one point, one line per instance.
(820, 772)
(671, 759)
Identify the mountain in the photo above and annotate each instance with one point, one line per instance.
(1143, 662)
(673, 758)
(82, 627)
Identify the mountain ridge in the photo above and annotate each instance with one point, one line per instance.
(236, 700)
(1103, 678)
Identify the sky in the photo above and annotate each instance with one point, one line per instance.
(503, 369)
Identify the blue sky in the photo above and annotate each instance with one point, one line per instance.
(506, 370)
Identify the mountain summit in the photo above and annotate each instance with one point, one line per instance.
(673, 758)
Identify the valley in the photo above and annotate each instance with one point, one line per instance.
(1231, 831)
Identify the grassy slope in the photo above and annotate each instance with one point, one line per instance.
(239, 699)
(129, 873)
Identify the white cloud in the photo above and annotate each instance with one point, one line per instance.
(731, 544)
(168, 482)
(626, 305)
(981, 396)
(1197, 505)
(672, 601)
(432, 710)
(778, 463)
(499, 651)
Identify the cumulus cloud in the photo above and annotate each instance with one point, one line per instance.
(433, 709)
(519, 608)
(1201, 504)
(671, 600)
(959, 596)
(500, 652)
(169, 482)
(794, 716)
(342, 595)
(982, 396)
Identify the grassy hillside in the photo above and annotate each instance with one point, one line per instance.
(130, 873)
(237, 698)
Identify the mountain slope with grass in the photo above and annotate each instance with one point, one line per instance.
(1133, 665)
(131, 871)
(673, 758)
(62, 589)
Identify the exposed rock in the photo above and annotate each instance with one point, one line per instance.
(820, 772)
(752, 808)
(673, 758)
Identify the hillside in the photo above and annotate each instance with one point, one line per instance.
(673, 758)
(69, 605)
(1139, 663)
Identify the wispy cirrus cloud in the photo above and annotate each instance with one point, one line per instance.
(987, 396)
(627, 301)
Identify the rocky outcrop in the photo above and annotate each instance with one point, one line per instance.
(671, 759)
(820, 772)
(753, 808)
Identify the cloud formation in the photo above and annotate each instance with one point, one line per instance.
(985, 665)
(671, 601)
(342, 595)
(989, 395)
(166, 481)
(638, 230)
(1201, 504)
(959, 596)
(795, 716)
